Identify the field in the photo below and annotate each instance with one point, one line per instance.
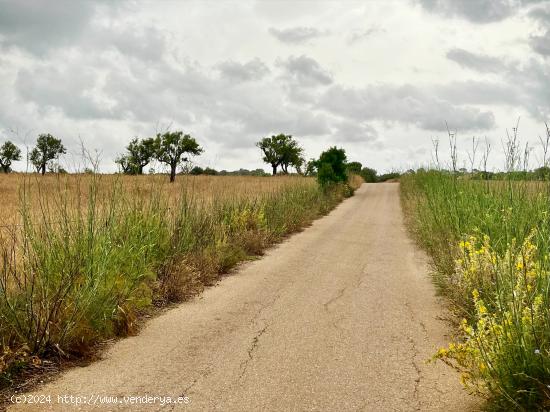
(490, 242)
(82, 256)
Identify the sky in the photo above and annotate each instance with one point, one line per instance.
(381, 79)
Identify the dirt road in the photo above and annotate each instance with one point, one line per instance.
(341, 317)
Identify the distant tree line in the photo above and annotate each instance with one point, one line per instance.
(197, 170)
(174, 148)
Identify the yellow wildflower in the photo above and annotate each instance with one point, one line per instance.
(519, 265)
(482, 309)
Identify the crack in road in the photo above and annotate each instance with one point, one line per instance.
(416, 353)
(418, 372)
(250, 351)
(338, 295)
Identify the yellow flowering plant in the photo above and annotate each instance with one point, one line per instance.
(505, 344)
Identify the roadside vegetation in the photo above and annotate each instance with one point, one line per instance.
(83, 256)
(488, 235)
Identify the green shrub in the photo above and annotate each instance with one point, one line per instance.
(331, 167)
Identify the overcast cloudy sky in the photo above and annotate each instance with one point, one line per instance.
(379, 78)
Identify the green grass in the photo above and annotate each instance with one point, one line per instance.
(75, 273)
(489, 242)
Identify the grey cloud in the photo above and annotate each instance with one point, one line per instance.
(235, 113)
(477, 92)
(532, 81)
(296, 35)
(306, 71)
(541, 44)
(252, 70)
(541, 14)
(483, 11)
(147, 44)
(303, 123)
(70, 89)
(257, 117)
(355, 132)
(159, 91)
(527, 83)
(474, 61)
(40, 26)
(240, 126)
(478, 11)
(404, 104)
(91, 87)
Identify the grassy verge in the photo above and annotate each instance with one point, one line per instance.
(490, 243)
(87, 260)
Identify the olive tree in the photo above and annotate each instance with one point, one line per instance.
(139, 154)
(281, 150)
(9, 153)
(171, 148)
(47, 149)
(126, 164)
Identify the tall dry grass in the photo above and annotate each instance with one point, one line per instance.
(200, 187)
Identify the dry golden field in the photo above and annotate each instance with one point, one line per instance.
(38, 189)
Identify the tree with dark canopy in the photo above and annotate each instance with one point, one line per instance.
(47, 149)
(141, 152)
(369, 175)
(354, 167)
(126, 164)
(171, 146)
(9, 153)
(281, 150)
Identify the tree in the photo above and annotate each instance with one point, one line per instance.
(331, 166)
(291, 155)
(369, 175)
(47, 149)
(210, 171)
(197, 170)
(126, 164)
(271, 148)
(311, 168)
(140, 153)
(171, 146)
(354, 167)
(8, 153)
(281, 150)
